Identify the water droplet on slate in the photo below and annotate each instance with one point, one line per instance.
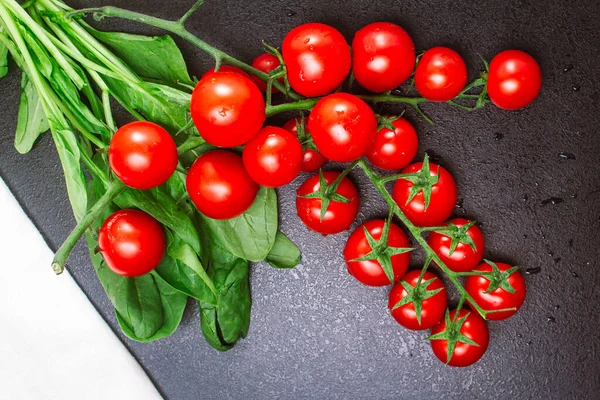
(459, 203)
(568, 67)
(533, 271)
(498, 136)
(550, 253)
(552, 200)
(556, 307)
(519, 335)
(557, 260)
(570, 242)
(567, 156)
(528, 343)
(291, 14)
(525, 197)
(576, 88)
(551, 319)
(574, 195)
(575, 274)
(524, 236)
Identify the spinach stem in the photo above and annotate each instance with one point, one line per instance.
(115, 188)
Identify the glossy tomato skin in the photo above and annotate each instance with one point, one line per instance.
(273, 157)
(370, 272)
(433, 308)
(317, 58)
(266, 63)
(514, 79)
(131, 242)
(343, 127)
(312, 160)
(339, 216)
(142, 155)
(476, 286)
(465, 354)
(383, 56)
(443, 197)
(394, 149)
(463, 258)
(227, 108)
(219, 185)
(441, 74)
(230, 68)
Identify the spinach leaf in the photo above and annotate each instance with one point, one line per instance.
(251, 235)
(3, 58)
(156, 57)
(32, 121)
(183, 271)
(162, 207)
(284, 253)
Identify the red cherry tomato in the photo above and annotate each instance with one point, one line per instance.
(317, 59)
(343, 127)
(433, 306)
(394, 149)
(339, 216)
(273, 157)
(142, 154)
(230, 68)
(383, 56)
(477, 285)
(443, 197)
(441, 74)
(219, 185)
(464, 354)
(131, 242)
(227, 108)
(514, 80)
(266, 63)
(312, 160)
(370, 272)
(464, 258)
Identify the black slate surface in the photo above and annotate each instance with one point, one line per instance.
(316, 332)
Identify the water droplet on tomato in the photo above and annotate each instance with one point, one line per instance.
(307, 41)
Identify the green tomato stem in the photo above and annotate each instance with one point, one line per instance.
(61, 256)
(306, 104)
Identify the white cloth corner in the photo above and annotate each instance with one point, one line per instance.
(53, 343)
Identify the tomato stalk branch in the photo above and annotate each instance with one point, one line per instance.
(62, 254)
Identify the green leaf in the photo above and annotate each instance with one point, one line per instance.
(182, 269)
(251, 235)
(3, 58)
(284, 253)
(154, 57)
(161, 206)
(32, 121)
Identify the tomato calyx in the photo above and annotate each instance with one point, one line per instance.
(328, 192)
(387, 122)
(422, 181)
(304, 137)
(499, 279)
(279, 72)
(457, 235)
(416, 294)
(452, 334)
(482, 98)
(382, 252)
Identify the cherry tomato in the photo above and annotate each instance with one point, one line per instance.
(383, 56)
(394, 149)
(142, 154)
(312, 160)
(273, 157)
(339, 216)
(230, 68)
(443, 197)
(433, 305)
(370, 272)
(465, 354)
(464, 258)
(317, 59)
(477, 285)
(441, 74)
(219, 185)
(343, 127)
(227, 108)
(266, 63)
(131, 242)
(514, 80)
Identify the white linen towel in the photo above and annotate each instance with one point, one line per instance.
(53, 343)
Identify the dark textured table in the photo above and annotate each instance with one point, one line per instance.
(316, 332)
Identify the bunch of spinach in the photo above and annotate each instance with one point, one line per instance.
(72, 75)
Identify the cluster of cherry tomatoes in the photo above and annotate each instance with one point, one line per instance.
(229, 110)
